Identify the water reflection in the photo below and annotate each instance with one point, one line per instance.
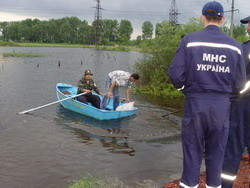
(70, 116)
(112, 142)
(117, 147)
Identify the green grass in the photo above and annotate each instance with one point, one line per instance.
(120, 48)
(108, 48)
(31, 44)
(16, 54)
(3, 43)
(48, 45)
(88, 181)
(165, 96)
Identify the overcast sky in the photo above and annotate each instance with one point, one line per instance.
(137, 11)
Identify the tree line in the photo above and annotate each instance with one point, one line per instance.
(153, 68)
(71, 30)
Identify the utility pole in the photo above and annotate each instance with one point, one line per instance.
(173, 13)
(232, 19)
(98, 22)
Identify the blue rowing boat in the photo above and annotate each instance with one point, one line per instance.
(65, 90)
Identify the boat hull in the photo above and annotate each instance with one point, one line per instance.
(65, 90)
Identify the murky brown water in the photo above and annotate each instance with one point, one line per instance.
(53, 146)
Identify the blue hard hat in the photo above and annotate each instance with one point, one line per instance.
(213, 5)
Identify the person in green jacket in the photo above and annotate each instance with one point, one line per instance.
(85, 85)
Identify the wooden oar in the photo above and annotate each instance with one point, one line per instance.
(39, 107)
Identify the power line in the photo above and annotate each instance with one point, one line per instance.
(111, 13)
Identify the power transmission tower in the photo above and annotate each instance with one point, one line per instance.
(98, 22)
(173, 13)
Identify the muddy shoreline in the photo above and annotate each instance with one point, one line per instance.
(242, 180)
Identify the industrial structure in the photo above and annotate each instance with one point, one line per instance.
(98, 22)
(173, 13)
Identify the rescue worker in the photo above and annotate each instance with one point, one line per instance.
(208, 67)
(239, 132)
(114, 80)
(86, 84)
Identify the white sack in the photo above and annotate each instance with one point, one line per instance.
(126, 106)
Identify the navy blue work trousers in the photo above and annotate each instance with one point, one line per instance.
(93, 99)
(238, 139)
(205, 128)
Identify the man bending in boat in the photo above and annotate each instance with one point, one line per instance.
(115, 80)
(86, 84)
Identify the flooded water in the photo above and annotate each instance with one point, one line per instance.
(52, 147)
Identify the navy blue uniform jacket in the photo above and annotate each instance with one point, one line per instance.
(246, 52)
(208, 61)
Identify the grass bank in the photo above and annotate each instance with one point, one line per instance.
(88, 181)
(121, 48)
(165, 95)
(17, 54)
(108, 48)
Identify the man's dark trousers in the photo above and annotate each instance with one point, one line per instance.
(238, 139)
(204, 129)
(93, 99)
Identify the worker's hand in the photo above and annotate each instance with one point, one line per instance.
(127, 100)
(101, 94)
(87, 91)
(109, 95)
